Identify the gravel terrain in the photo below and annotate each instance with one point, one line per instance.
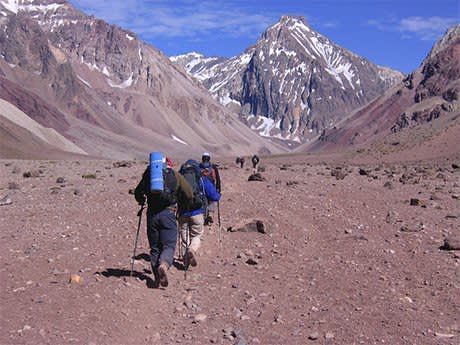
(320, 251)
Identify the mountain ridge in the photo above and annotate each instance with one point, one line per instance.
(257, 83)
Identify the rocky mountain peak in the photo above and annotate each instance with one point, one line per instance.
(285, 27)
(291, 20)
(293, 82)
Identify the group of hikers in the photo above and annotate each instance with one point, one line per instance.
(189, 196)
(255, 160)
(183, 203)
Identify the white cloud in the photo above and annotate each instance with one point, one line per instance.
(183, 18)
(426, 28)
(430, 28)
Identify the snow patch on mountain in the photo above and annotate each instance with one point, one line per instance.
(16, 6)
(127, 83)
(84, 81)
(178, 140)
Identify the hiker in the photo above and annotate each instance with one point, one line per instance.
(211, 172)
(255, 160)
(241, 162)
(192, 214)
(161, 217)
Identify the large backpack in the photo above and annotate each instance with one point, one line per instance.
(191, 172)
(168, 195)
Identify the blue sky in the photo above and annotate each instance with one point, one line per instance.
(394, 33)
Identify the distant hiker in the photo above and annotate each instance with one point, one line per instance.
(161, 214)
(211, 172)
(192, 213)
(255, 160)
(207, 168)
(241, 162)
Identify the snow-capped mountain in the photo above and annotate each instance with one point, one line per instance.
(109, 93)
(293, 82)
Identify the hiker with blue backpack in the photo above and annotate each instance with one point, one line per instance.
(165, 190)
(210, 171)
(192, 212)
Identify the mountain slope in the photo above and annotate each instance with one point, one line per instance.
(423, 112)
(293, 82)
(118, 96)
(42, 142)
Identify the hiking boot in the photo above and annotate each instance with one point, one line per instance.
(209, 220)
(190, 258)
(162, 274)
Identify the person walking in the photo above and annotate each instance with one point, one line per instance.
(192, 217)
(255, 160)
(210, 172)
(241, 161)
(161, 217)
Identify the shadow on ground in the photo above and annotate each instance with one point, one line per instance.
(121, 273)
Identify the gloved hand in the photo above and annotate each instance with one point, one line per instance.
(141, 201)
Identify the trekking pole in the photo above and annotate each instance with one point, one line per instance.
(218, 212)
(220, 230)
(139, 214)
(179, 239)
(186, 241)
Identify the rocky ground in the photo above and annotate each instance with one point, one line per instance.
(341, 254)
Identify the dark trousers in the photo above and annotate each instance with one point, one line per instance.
(162, 235)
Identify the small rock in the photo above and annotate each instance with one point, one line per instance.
(414, 202)
(251, 261)
(5, 201)
(261, 227)
(406, 228)
(388, 185)
(199, 318)
(256, 177)
(13, 185)
(363, 172)
(60, 180)
(122, 164)
(444, 335)
(435, 197)
(329, 335)
(33, 173)
(75, 279)
(313, 336)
